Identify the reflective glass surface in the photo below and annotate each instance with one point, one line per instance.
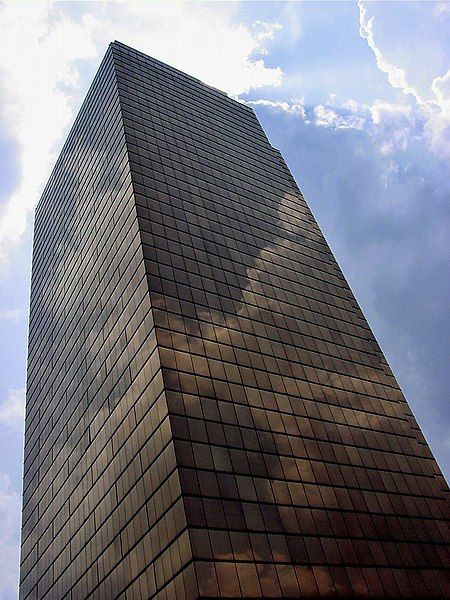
(208, 412)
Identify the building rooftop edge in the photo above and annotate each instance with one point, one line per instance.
(117, 43)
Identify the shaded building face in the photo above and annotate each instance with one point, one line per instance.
(208, 412)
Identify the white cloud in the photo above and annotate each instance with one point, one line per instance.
(295, 107)
(436, 110)
(441, 88)
(396, 76)
(200, 40)
(326, 117)
(395, 127)
(12, 409)
(392, 127)
(10, 506)
(37, 59)
(265, 32)
(10, 314)
(206, 43)
(381, 110)
(352, 118)
(41, 47)
(438, 126)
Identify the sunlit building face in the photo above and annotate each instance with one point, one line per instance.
(208, 412)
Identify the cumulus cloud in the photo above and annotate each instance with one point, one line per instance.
(441, 88)
(37, 74)
(294, 107)
(435, 109)
(42, 49)
(381, 110)
(203, 41)
(438, 126)
(391, 126)
(265, 32)
(12, 409)
(9, 538)
(396, 76)
(350, 117)
(394, 127)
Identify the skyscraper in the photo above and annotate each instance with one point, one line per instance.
(208, 412)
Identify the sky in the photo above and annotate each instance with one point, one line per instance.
(355, 95)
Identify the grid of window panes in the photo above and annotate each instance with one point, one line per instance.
(302, 468)
(208, 413)
(102, 498)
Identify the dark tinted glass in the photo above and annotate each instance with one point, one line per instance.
(208, 412)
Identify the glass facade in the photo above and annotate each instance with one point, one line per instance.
(208, 412)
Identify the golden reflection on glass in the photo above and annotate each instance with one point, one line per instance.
(208, 412)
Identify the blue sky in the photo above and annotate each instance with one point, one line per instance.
(355, 95)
